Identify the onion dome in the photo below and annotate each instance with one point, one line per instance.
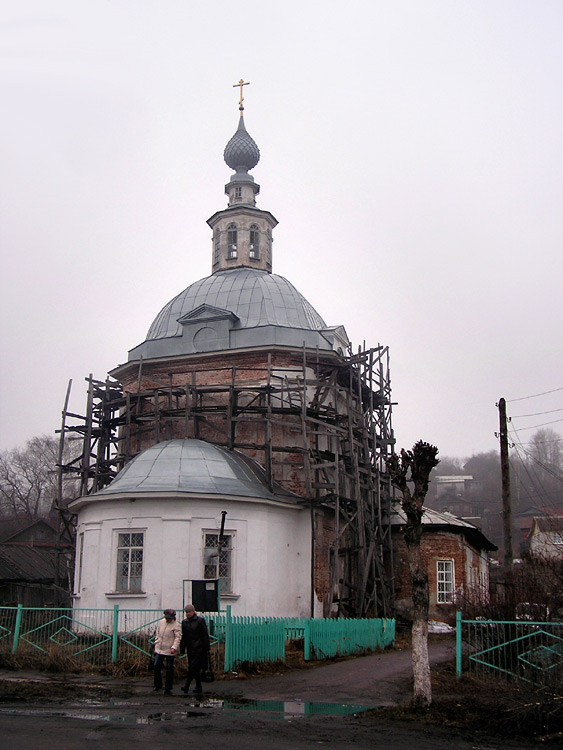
(241, 152)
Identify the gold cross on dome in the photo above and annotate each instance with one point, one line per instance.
(241, 83)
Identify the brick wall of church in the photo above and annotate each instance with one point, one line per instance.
(249, 368)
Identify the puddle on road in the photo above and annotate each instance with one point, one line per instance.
(275, 709)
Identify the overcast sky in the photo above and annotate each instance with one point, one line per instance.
(412, 152)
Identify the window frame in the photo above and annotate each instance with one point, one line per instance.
(269, 247)
(227, 588)
(254, 245)
(129, 562)
(445, 588)
(232, 241)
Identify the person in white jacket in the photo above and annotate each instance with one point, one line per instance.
(167, 640)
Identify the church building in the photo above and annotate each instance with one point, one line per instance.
(244, 440)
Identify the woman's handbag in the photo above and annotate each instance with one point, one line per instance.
(207, 674)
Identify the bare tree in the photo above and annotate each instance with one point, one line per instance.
(547, 449)
(28, 478)
(413, 468)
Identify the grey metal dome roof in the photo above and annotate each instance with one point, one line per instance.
(192, 466)
(257, 298)
(241, 152)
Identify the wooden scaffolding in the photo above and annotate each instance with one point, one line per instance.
(326, 421)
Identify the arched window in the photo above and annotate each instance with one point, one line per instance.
(232, 241)
(254, 248)
(269, 248)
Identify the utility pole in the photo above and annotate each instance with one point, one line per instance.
(505, 477)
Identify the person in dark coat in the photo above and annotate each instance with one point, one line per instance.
(195, 642)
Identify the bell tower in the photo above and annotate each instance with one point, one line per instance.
(242, 233)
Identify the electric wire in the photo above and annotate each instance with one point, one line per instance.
(535, 414)
(536, 483)
(544, 424)
(535, 395)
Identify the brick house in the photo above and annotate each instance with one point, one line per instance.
(455, 553)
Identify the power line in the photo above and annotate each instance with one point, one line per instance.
(535, 482)
(546, 468)
(534, 426)
(543, 442)
(536, 414)
(530, 469)
(535, 395)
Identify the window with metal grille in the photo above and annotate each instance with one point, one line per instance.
(217, 245)
(232, 241)
(254, 248)
(218, 559)
(129, 561)
(445, 581)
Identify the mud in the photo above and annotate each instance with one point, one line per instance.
(361, 703)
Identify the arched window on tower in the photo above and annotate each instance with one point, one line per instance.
(232, 241)
(254, 247)
(269, 248)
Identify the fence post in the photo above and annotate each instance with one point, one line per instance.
(114, 635)
(228, 637)
(307, 641)
(458, 643)
(17, 628)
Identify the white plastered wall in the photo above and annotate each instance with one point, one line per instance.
(271, 552)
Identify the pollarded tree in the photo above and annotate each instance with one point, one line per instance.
(410, 472)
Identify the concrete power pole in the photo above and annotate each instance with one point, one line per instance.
(505, 476)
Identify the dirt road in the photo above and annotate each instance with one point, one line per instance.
(302, 709)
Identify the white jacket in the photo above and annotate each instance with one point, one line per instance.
(168, 636)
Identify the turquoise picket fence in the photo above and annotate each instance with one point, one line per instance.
(253, 639)
(342, 637)
(102, 636)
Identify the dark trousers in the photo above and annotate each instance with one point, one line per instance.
(195, 665)
(169, 679)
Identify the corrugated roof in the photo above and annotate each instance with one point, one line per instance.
(25, 563)
(443, 519)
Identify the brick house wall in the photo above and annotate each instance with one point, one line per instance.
(469, 569)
